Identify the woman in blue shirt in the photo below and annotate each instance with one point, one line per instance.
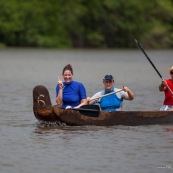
(111, 102)
(70, 94)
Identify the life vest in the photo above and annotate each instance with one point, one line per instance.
(111, 102)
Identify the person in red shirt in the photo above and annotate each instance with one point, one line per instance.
(167, 87)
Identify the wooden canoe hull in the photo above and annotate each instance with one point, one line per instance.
(44, 111)
(42, 106)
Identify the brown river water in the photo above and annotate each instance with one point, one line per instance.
(28, 147)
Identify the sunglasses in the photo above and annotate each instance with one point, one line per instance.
(171, 72)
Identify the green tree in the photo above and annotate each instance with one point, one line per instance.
(84, 23)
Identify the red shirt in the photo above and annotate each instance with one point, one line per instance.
(168, 95)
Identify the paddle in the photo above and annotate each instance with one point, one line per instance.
(152, 64)
(106, 95)
(88, 110)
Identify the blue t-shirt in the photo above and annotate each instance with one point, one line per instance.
(73, 93)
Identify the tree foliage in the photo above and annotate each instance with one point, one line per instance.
(86, 24)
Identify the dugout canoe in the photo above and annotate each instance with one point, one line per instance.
(45, 111)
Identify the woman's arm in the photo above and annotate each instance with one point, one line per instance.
(83, 102)
(59, 98)
(162, 86)
(82, 95)
(60, 91)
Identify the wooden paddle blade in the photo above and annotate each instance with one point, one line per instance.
(89, 113)
(89, 110)
(96, 107)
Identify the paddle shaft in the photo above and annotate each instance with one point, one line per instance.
(106, 95)
(148, 58)
(152, 64)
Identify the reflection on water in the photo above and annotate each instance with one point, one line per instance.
(29, 146)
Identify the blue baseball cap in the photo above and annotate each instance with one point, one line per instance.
(108, 77)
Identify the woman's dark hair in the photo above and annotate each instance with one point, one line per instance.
(68, 67)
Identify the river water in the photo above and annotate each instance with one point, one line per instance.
(28, 147)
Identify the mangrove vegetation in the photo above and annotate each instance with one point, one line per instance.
(86, 23)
